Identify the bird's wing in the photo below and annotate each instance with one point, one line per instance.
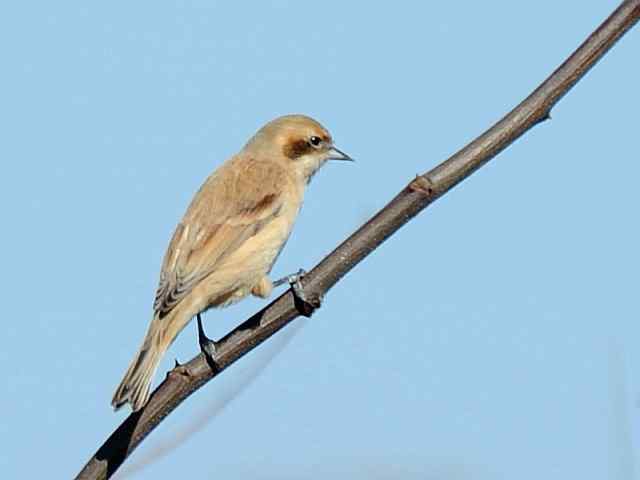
(235, 203)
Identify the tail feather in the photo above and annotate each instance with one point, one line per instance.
(136, 384)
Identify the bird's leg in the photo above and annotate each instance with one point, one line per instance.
(207, 346)
(304, 302)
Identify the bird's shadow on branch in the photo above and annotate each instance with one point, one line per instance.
(115, 449)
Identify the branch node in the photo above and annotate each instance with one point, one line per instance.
(422, 184)
(179, 371)
(310, 304)
(544, 117)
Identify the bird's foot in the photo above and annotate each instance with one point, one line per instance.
(208, 347)
(305, 303)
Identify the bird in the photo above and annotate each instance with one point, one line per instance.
(230, 236)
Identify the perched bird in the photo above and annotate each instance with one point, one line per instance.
(230, 237)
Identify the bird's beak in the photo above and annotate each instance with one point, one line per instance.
(336, 154)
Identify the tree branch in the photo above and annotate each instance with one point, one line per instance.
(183, 380)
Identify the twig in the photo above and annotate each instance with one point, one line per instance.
(183, 380)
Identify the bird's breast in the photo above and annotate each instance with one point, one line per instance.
(259, 252)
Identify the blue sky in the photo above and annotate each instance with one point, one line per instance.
(492, 337)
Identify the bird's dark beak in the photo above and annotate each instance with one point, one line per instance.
(336, 154)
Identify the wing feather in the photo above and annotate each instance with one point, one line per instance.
(234, 204)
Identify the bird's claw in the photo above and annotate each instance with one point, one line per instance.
(305, 303)
(290, 279)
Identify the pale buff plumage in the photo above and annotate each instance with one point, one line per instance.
(230, 236)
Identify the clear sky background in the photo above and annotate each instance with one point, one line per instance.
(493, 337)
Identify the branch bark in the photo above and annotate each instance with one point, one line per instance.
(185, 379)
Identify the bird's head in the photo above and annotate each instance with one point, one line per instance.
(298, 140)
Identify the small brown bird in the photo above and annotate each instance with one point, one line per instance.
(230, 237)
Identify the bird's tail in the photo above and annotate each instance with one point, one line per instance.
(136, 384)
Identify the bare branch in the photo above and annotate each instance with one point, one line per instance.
(183, 380)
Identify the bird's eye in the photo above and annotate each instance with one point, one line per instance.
(315, 141)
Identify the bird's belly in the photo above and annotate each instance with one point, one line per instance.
(259, 252)
(243, 269)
